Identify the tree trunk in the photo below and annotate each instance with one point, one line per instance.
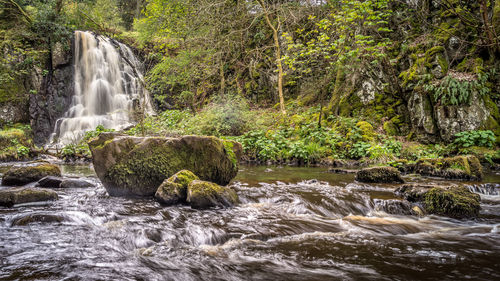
(335, 99)
(278, 56)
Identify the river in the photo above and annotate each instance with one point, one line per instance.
(292, 224)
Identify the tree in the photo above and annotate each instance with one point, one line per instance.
(352, 36)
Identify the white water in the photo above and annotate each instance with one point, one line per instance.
(106, 88)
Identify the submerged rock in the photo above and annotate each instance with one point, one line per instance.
(75, 183)
(50, 181)
(136, 166)
(204, 195)
(451, 201)
(32, 172)
(36, 218)
(19, 195)
(174, 189)
(458, 167)
(379, 175)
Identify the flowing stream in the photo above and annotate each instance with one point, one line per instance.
(292, 224)
(107, 83)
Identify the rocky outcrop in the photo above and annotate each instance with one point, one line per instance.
(379, 175)
(451, 201)
(55, 90)
(19, 195)
(135, 166)
(11, 112)
(204, 195)
(27, 173)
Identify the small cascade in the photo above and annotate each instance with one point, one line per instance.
(108, 88)
(485, 188)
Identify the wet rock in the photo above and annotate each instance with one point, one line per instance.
(342, 171)
(135, 166)
(19, 195)
(174, 189)
(379, 175)
(451, 201)
(75, 183)
(36, 218)
(458, 167)
(50, 181)
(204, 195)
(21, 175)
(394, 206)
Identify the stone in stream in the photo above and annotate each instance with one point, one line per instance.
(75, 183)
(459, 167)
(18, 195)
(379, 175)
(174, 189)
(50, 181)
(137, 166)
(31, 172)
(204, 195)
(36, 218)
(450, 201)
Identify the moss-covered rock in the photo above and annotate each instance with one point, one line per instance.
(204, 195)
(138, 166)
(174, 189)
(27, 173)
(451, 201)
(19, 195)
(379, 175)
(27, 219)
(465, 167)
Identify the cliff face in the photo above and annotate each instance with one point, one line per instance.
(54, 93)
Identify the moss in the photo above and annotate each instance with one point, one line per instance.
(379, 175)
(390, 129)
(447, 167)
(138, 166)
(366, 130)
(21, 175)
(203, 194)
(229, 146)
(456, 202)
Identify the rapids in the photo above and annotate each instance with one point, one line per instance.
(292, 224)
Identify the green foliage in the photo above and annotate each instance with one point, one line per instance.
(81, 148)
(15, 142)
(475, 138)
(359, 150)
(453, 91)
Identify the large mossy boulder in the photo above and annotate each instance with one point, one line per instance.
(174, 189)
(450, 201)
(18, 195)
(379, 175)
(27, 173)
(137, 166)
(458, 167)
(204, 195)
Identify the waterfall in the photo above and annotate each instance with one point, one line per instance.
(107, 89)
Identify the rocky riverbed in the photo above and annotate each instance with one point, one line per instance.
(291, 223)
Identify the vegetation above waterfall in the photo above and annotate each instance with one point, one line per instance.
(293, 81)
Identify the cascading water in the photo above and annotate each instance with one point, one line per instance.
(107, 88)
